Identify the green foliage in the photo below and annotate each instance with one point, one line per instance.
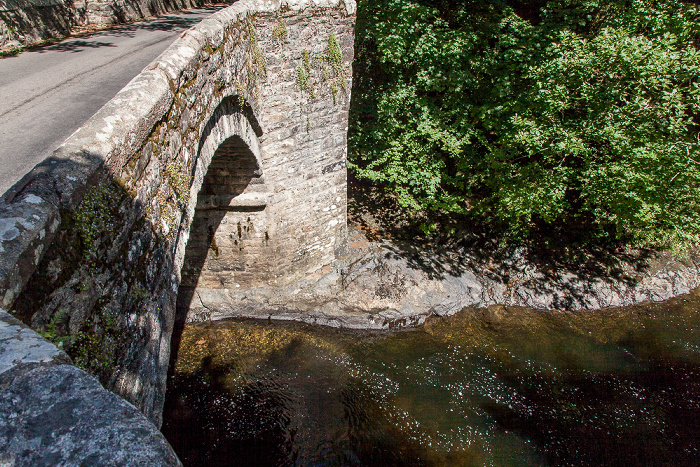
(256, 63)
(256, 55)
(95, 347)
(304, 75)
(326, 70)
(528, 115)
(88, 352)
(11, 52)
(333, 58)
(52, 332)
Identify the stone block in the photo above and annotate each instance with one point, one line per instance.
(62, 416)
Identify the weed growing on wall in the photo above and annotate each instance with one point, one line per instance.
(168, 213)
(256, 64)
(94, 218)
(52, 331)
(304, 75)
(333, 57)
(280, 34)
(326, 71)
(96, 348)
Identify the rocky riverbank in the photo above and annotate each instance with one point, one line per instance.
(382, 285)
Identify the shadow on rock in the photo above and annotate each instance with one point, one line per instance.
(563, 264)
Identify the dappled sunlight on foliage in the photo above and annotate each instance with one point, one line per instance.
(532, 116)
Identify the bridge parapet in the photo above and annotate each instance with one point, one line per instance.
(27, 22)
(93, 239)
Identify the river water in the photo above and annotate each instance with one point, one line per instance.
(503, 386)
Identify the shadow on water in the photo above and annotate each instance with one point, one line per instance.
(248, 427)
(648, 417)
(499, 386)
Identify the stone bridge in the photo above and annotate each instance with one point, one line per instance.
(221, 166)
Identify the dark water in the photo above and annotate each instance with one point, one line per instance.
(500, 386)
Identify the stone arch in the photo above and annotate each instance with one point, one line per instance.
(228, 235)
(233, 116)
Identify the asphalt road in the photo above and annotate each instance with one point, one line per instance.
(46, 94)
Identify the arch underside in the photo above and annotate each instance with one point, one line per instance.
(229, 236)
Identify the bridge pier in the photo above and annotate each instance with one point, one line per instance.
(286, 216)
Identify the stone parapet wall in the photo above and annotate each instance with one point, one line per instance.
(26, 22)
(56, 414)
(93, 239)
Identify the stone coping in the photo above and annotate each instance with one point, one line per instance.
(56, 414)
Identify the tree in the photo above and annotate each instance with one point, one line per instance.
(526, 115)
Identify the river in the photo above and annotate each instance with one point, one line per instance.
(501, 386)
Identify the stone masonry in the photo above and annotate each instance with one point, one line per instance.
(271, 219)
(237, 129)
(26, 22)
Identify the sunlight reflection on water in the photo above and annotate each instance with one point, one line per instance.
(498, 386)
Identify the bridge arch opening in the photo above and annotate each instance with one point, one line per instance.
(222, 228)
(229, 236)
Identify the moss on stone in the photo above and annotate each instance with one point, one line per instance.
(97, 346)
(280, 33)
(94, 219)
(179, 181)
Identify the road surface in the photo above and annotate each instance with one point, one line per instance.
(48, 93)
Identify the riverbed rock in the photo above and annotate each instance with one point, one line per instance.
(379, 285)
